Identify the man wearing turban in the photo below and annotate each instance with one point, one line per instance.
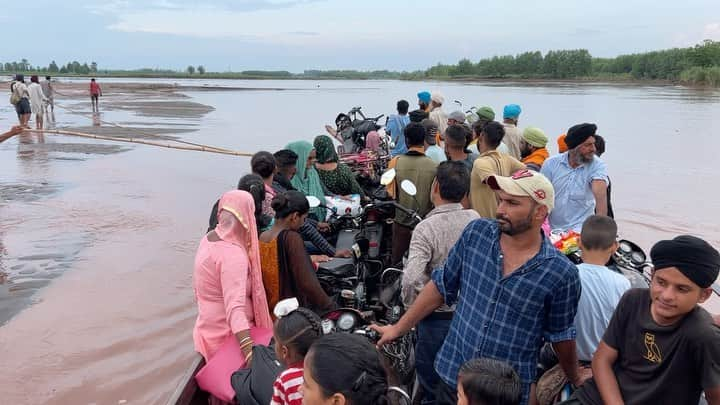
(532, 148)
(511, 115)
(580, 180)
(438, 116)
(660, 346)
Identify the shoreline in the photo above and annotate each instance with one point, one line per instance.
(629, 81)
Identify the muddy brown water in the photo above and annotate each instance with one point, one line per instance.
(97, 239)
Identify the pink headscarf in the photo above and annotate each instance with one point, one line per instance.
(372, 141)
(236, 224)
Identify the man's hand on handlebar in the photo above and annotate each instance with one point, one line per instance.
(323, 227)
(387, 333)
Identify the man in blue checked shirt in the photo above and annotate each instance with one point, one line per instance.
(518, 291)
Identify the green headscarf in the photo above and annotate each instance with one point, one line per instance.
(306, 180)
(325, 149)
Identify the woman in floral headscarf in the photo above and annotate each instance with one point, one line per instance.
(227, 279)
(336, 177)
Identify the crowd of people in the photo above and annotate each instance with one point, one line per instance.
(485, 290)
(37, 98)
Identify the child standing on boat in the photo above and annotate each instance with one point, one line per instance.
(296, 329)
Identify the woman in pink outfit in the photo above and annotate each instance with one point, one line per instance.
(227, 279)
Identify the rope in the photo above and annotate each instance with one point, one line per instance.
(198, 148)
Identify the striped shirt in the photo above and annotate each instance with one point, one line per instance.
(286, 389)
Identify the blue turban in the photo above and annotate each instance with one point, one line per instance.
(512, 111)
(424, 96)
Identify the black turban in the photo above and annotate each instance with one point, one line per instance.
(694, 257)
(417, 115)
(577, 134)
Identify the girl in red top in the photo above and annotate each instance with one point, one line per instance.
(295, 330)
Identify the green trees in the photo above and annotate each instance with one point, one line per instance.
(201, 69)
(190, 69)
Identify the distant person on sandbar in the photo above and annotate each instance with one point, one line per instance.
(49, 92)
(37, 101)
(20, 98)
(95, 93)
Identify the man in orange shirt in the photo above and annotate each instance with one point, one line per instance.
(532, 148)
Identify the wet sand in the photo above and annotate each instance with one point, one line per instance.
(97, 239)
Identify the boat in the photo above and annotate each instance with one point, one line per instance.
(187, 391)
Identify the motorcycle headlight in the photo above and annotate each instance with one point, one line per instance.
(346, 322)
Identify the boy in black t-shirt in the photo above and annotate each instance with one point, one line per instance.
(660, 346)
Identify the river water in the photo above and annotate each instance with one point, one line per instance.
(97, 239)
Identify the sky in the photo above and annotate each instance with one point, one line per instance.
(295, 35)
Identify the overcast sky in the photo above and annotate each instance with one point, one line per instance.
(335, 34)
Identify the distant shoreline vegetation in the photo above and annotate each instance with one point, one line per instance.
(697, 66)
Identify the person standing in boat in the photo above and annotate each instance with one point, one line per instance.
(432, 151)
(511, 115)
(512, 287)
(438, 116)
(599, 151)
(490, 162)
(227, 279)
(424, 98)
(420, 169)
(580, 180)
(396, 125)
(431, 241)
(532, 148)
(485, 115)
(661, 347)
(455, 140)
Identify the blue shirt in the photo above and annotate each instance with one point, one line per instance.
(504, 318)
(435, 153)
(395, 127)
(574, 199)
(602, 289)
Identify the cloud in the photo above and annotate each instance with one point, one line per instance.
(138, 6)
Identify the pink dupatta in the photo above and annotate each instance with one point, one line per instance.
(243, 233)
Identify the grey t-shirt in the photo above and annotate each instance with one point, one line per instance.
(659, 364)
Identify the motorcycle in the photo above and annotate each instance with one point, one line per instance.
(352, 130)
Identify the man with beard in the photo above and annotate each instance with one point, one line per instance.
(517, 290)
(532, 148)
(580, 180)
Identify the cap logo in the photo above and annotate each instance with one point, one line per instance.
(521, 174)
(540, 194)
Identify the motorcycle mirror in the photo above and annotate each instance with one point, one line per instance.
(387, 177)
(313, 201)
(408, 187)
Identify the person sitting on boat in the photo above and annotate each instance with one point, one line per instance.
(431, 241)
(488, 381)
(580, 180)
(432, 151)
(512, 288)
(287, 268)
(336, 177)
(315, 243)
(490, 162)
(306, 180)
(253, 184)
(532, 148)
(296, 329)
(396, 125)
(344, 369)
(227, 279)
(419, 169)
(661, 347)
(263, 164)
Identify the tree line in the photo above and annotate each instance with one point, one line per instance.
(698, 64)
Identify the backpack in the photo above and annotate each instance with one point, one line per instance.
(14, 97)
(254, 385)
